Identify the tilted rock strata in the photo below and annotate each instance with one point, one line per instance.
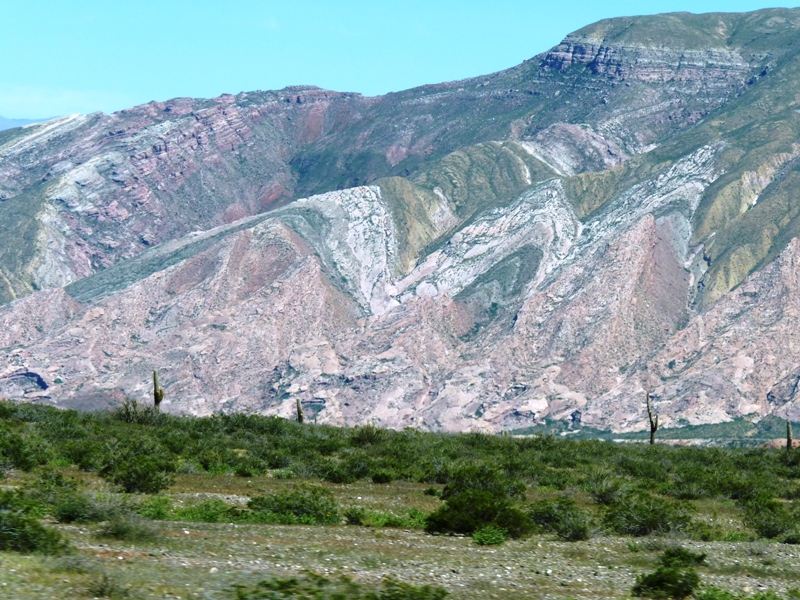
(615, 216)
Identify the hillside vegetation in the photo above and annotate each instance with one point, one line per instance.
(147, 489)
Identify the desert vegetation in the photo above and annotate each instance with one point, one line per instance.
(133, 475)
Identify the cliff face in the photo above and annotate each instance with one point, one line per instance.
(615, 215)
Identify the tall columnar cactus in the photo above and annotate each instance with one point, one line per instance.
(158, 392)
(653, 423)
(300, 416)
(789, 440)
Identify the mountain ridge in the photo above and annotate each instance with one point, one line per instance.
(541, 243)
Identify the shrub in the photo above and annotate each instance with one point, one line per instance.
(674, 578)
(86, 454)
(640, 514)
(432, 491)
(395, 590)
(22, 532)
(367, 435)
(210, 511)
(322, 588)
(768, 517)
(678, 557)
(355, 515)
(489, 536)
(24, 453)
(561, 517)
(130, 411)
(383, 477)
(338, 473)
(157, 508)
(475, 509)
(308, 506)
(666, 583)
(606, 490)
(141, 474)
(127, 528)
(251, 467)
(104, 586)
(61, 497)
(482, 478)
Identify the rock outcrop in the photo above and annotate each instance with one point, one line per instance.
(617, 215)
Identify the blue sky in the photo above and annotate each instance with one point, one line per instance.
(66, 56)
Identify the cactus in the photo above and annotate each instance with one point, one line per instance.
(158, 392)
(653, 423)
(789, 440)
(300, 416)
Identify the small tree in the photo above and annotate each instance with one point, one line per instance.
(653, 423)
(158, 392)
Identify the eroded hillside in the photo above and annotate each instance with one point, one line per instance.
(615, 215)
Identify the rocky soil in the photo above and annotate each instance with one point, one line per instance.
(201, 560)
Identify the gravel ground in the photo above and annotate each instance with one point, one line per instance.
(194, 560)
(204, 561)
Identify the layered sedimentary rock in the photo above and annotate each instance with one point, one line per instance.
(616, 215)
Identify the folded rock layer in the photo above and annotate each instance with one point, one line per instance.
(616, 215)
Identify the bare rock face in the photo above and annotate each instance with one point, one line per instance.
(618, 215)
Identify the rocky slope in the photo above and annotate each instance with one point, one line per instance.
(615, 215)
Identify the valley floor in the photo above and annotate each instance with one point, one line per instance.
(191, 560)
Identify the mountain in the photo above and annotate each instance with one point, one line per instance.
(616, 215)
(11, 123)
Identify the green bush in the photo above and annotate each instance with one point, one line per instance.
(130, 411)
(23, 453)
(322, 588)
(489, 536)
(475, 509)
(482, 478)
(86, 454)
(356, 515)
(666, 583)
(678, 557)
(432, 491)
(128, 528)
(61, 497)
(250, 467)
(210, 511)
(308, 506)
(768, 517)
(157, 508)
(338, 473)
(561, 517)
(105, 586)
(139, 473)
(20, 532)
(640, 514)
(367, 435)
(383, 477)
(140, 454)
(606, 490)
(674, 578)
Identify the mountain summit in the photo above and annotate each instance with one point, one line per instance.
(616, 215)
